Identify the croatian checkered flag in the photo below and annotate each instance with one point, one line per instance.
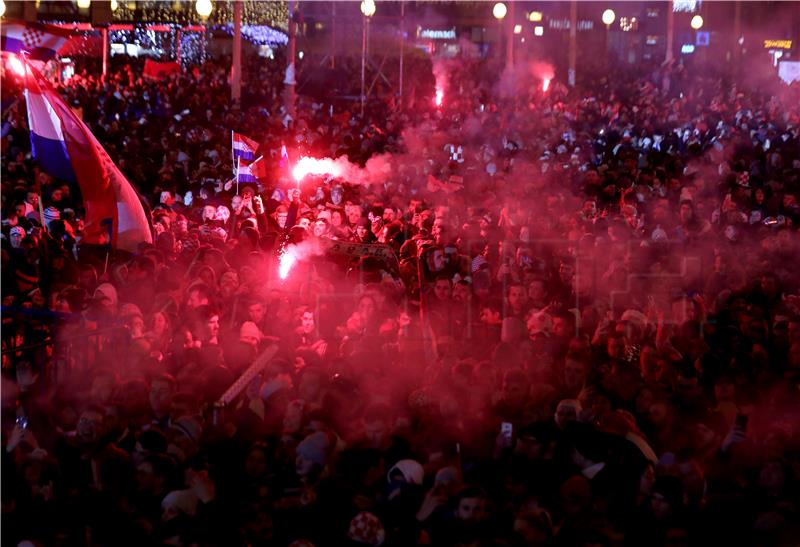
(243, 147)
(40, 42)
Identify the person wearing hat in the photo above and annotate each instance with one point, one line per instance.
(362, 233)
(250, 334)
(313, 453)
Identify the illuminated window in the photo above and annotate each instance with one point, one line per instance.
(652, 39)
(652, 12)
(689, 6)
(628, 24)
(538, 31)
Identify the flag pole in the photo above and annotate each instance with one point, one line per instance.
(24, 55)
(41, 212)
(237, 174)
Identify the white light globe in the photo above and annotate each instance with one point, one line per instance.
(368, 8)
(203, 7)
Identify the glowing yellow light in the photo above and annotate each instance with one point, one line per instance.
(114, 5)
(535, 16)
(776, 44)
(84, 4)
(538, 31)
(609, 16)
(203, 7)
(517, 29)
(697, 22)
(499, 10)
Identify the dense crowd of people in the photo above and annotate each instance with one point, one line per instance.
(562, 317)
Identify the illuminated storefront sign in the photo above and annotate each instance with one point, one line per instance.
(564, 24)
(777, 44)
(436, 34)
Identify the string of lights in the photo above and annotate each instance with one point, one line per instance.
(254, 13)
(257, 34)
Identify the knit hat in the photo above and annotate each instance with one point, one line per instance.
(129, 310)
(540, 323)
(366, 528)
(51, 213)
(315, 448)
(448, 475)
(250, 330)
(189, 427)
(274, 386)
(106, 290)
(478, 263)
(222, 213)
(18, 231)
(412, 471)
(659, 234)
(636, 317)
(180, 502)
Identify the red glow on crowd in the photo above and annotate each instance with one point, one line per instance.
(439, 96)
(312, 166)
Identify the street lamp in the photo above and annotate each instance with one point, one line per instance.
(367, 10)
(203, 8)
(499, 10)
(84, 4)
(608, 18)
(696, 22)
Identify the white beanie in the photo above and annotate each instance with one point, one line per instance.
(182, 501)
(412, 471)
(249, 329)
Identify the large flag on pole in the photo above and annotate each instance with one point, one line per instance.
(41, 42)
(66, 148)
(243, 147)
